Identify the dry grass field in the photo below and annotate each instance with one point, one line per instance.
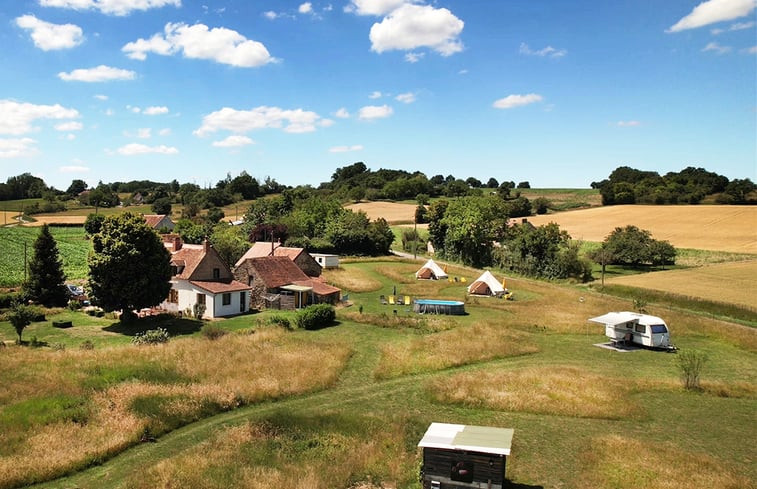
(734, 283)
(711, 227)
(393, 212)
(41, 219)
(7, 217)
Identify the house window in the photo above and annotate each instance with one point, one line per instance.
(201, 299)
(173, 296)
(216, 273)
(226, 299)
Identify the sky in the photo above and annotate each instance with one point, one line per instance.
(551, 92)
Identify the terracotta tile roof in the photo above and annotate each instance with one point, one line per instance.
(276, 271)
(263, 248)
(153, 220)
(220, 287)
(319, 287)
(189, 258)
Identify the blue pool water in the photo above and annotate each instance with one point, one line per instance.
(434, 306)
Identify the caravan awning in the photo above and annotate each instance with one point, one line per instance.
(615, 318)
(482, 439)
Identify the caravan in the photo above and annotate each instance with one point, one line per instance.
(641, 329)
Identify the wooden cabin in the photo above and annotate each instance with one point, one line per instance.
(459, 456)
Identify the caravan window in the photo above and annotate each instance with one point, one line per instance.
(641, 328)
(659, 328)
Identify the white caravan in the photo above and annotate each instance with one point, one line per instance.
(632, 327)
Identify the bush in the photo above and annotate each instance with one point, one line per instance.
(690, 363)
(7, 300)
(212, 331)
(87, 345)
(151, 337)
(280, 320)
(74, 305)
(315, 317)
(62, 324)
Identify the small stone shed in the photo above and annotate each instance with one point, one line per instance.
(457, 456)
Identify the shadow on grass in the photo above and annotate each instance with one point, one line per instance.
(514, 485)
(174, 326)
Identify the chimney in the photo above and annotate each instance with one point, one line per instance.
(177, 244)
(524, 221)
(206, 245)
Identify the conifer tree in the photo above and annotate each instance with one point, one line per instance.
(45, 284)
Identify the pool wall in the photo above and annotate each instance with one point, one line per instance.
(430, 306)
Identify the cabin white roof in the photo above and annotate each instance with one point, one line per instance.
(482, 439)
(615, 318)
(488, 279)
(435, 269)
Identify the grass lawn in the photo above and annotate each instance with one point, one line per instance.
(345, 407)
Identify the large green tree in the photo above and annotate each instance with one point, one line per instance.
(630, 245)
(46, 278)
(129, 268)
(472, 225)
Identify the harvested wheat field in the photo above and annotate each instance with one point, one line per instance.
(8, 217)
(393, 212)
(707, 227)
(50, 219)
(733, 283)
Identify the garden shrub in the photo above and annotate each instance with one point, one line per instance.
(315, 317)
(690, 363)
(87, 345)
(151, 337)
(212, 331)
(280, 320)
(62, 324)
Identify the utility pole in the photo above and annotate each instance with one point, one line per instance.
(24, 261)
(415, 237)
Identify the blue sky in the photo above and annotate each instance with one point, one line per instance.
(556, 93)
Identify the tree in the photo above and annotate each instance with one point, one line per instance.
(492, 183)
(473, 224)
(77, 186)
(524, 185)
(162, 205)
(46, 278)
(129, 268)
(93, 223)
(229, 241)
(21, 316)
(603, 256)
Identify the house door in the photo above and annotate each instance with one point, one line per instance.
(242, 301)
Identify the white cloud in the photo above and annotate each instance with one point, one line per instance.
(164, 132)
(716, 48)
(751, 50)
(110, 7)
(738, 26)
(413, 26)
(270, 15)
(375, 7)
(144, 133)
(371, 112)
(512, 101)
(140, 149)
(70, 137)
(375, 95)
(628, 123)
(406, 98)
(99, 74)
(462, 72)
(73, 169)
(47, 36)
(346, 149)
(305, 8)
(548, 51)
(712, 11)
(325, 123)
(414, 57)
(17, 118)
(219, 44)
(155, 110)
(15, 148)
(233, 142)
(342, 113)
(239, 121)
(101, 97)
(69, 126)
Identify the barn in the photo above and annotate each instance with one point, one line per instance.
(457, 456)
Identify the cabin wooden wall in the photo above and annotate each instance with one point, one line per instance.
(439, 462)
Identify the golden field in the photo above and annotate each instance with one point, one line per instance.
(733, 282)
(393, 212)
(706, 227)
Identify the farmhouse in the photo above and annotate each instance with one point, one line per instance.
(459, 456)
(202, 279)
(299, 256)
(278, 283)
(159, 221)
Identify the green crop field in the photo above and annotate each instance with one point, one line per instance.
(72, 246)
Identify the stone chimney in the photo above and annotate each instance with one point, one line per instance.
(177, 243)
(206, 245)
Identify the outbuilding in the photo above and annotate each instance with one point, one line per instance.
(457, 456)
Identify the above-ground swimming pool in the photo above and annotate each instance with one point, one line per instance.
(433, 306)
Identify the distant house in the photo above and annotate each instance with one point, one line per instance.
(159, 221)
(325, 260)
(201, 277)
(299, 256)
(277, 283)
